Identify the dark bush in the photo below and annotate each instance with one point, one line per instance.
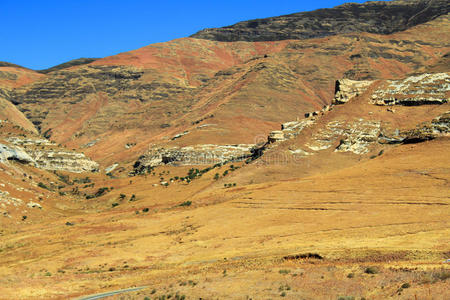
(371, 270)
(186, 203)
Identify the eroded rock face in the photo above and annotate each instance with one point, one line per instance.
(8, 153)
(195, 155)
(373, 16)
(355, 136)
(438, 127)
(289, 130)
(347, 89)
(415, 90)
(46, 155)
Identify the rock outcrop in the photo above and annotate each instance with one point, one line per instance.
(373, 17)
(8, 153)
(346, 89)
(358, 135)
(46, 155)
(414, 90)
(195, 155)
(438, 127)
(289, 130)
(355, 136)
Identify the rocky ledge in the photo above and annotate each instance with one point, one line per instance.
(194, 155)
(358, 135)
(414, 90)
(423, 89)
(438, 127)
(347, 89)
(44, 154)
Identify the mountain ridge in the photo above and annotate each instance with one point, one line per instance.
(371, 17)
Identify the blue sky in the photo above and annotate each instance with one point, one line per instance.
(41, 34)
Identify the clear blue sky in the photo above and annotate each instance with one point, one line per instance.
(42, 33)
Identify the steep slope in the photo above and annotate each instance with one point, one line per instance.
(10, 113)
(372, 16)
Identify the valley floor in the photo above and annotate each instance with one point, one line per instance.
(376, 230)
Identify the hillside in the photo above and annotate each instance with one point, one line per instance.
(269, 159)
(150, 95)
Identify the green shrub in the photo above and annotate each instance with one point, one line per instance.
(42, 186)
(186, 203)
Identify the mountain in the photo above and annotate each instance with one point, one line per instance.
(72, 63)
(372, 17)
(301, 156)
(152, 94)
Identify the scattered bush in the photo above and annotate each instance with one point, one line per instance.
(186, 203)
(43, 186)
(145, 209)
(228, 185)
(115, 204)
(371, 270)
(82, 180)
(405, 285)
(436, 275)
(100, 192)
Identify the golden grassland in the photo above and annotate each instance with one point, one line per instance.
(389, 213)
